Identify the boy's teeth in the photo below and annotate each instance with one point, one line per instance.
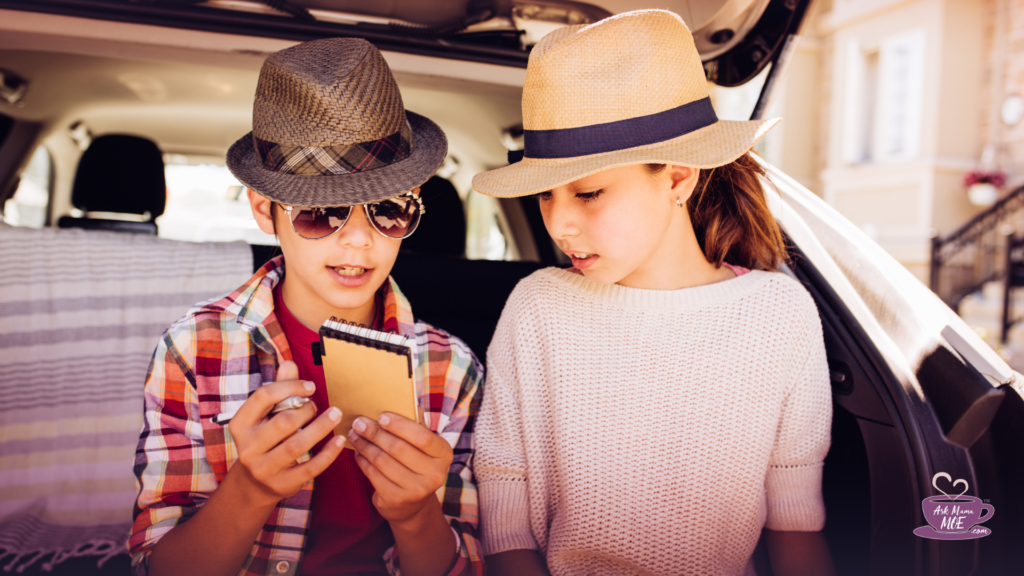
(581, 255)
(346, 271)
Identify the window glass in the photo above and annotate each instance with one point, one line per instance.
(28, 205)
(883, 91)
(737, 103)
(205, 203)
(485, 230)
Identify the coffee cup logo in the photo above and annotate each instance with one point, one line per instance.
(956, 517)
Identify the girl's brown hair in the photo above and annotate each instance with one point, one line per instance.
(730, 216)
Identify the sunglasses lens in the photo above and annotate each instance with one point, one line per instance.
(316, 223)
(395, 217)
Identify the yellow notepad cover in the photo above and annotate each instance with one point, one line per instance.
(365, 381)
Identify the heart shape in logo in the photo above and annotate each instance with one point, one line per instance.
(949, 479)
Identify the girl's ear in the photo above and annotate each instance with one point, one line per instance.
(261, 211)
(682, 181)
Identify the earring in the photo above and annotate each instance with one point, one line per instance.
(679, 203)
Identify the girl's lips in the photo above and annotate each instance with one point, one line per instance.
(351, 281)
(584, 263)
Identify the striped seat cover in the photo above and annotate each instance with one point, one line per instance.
(80, 315)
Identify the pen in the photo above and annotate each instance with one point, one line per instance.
(289, 403)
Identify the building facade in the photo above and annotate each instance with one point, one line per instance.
(887, 105)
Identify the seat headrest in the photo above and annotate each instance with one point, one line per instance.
(123, 174)
(443, 229)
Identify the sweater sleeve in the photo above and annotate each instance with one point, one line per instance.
(501, 465)
(793, 480)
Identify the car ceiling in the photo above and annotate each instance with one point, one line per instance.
(198, 99)
(190, 108)
(695, 12)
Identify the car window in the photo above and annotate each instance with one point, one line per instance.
(485, 230)
(205, 203)
(737, 103)
(27, 207)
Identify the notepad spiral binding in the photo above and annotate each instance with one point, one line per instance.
(365, 336)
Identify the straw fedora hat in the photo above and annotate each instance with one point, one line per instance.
(329, 129)
(629, 89)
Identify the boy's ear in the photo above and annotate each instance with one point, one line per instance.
(261, 211)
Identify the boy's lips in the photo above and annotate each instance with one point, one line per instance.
(350, 269)
(351, 275)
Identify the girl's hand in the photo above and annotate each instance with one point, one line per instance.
(405, 462)
(268, 448)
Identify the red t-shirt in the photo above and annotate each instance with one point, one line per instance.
(345, 533)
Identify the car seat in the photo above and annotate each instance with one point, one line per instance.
(442, 231)
(464, 297)
(119, 174)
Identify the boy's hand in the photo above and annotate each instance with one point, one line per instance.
(405, 462)
(268, 449)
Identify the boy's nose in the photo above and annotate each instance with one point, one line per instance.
(357, 233)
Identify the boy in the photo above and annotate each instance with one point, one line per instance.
(333, 166)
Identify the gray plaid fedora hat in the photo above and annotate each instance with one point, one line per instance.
(329, 129)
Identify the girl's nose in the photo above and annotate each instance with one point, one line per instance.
(559, 216)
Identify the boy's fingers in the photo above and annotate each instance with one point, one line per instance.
(303, 440)
(416, 434)
(381, 483)
(405, 453)
(262, 401)
(279, 428)
(317, 464)
(397, 472)
(288, 370)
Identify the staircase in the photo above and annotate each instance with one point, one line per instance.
(982, 311)
(978, 270)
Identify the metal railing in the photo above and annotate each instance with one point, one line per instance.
(1013, 284)
(976, 253)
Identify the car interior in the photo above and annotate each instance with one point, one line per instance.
(117, 121)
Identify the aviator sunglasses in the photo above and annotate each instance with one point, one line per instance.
(394, 218)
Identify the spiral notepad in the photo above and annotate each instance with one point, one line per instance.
(368, 372)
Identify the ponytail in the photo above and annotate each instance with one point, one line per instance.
(730, 216)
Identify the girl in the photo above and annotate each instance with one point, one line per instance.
(333, 164)
(652, 409)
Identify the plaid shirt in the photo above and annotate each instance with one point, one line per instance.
(211, 360)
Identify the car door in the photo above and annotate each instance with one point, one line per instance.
(925, 393)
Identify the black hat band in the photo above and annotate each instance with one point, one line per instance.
(621, 134)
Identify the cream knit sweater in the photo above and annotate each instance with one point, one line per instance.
(630, 431)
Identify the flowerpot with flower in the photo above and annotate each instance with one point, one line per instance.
(983, 186)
